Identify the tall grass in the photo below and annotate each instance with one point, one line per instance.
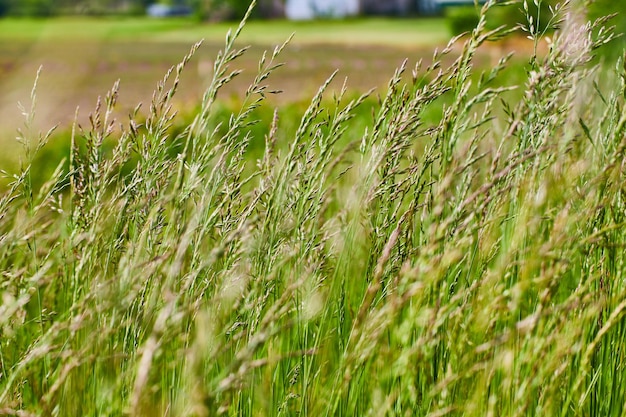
(469, 266)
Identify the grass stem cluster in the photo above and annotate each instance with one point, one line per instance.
(468, 266)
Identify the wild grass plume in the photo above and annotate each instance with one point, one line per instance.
(468, 266)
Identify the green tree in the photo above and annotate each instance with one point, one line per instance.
(517, 14)
(34, 8)
(511, 15)
(235, 9)
(222, 9)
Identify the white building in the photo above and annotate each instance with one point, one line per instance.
(311, 9)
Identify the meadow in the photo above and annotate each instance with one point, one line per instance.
(81, 58)
(449, 246)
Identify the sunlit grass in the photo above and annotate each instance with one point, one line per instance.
(467, 265)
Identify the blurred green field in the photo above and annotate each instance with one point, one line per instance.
(375, 31)
(81, 58)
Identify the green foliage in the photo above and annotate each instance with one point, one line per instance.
(221, 9)
(599, 8)
(602, 8)
(525, 13)
(34, 8)
(462, 19)
(44, 8)
(107, 7)
(512, 15)
(468, 264)
(238, 8)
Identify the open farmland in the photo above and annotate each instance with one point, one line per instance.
(82, 58)
(469, 264)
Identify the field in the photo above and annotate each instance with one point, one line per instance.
(449, 246)
(82, 58)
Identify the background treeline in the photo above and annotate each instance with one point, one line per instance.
(230, 9)
(462, 17)
(43, 8)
